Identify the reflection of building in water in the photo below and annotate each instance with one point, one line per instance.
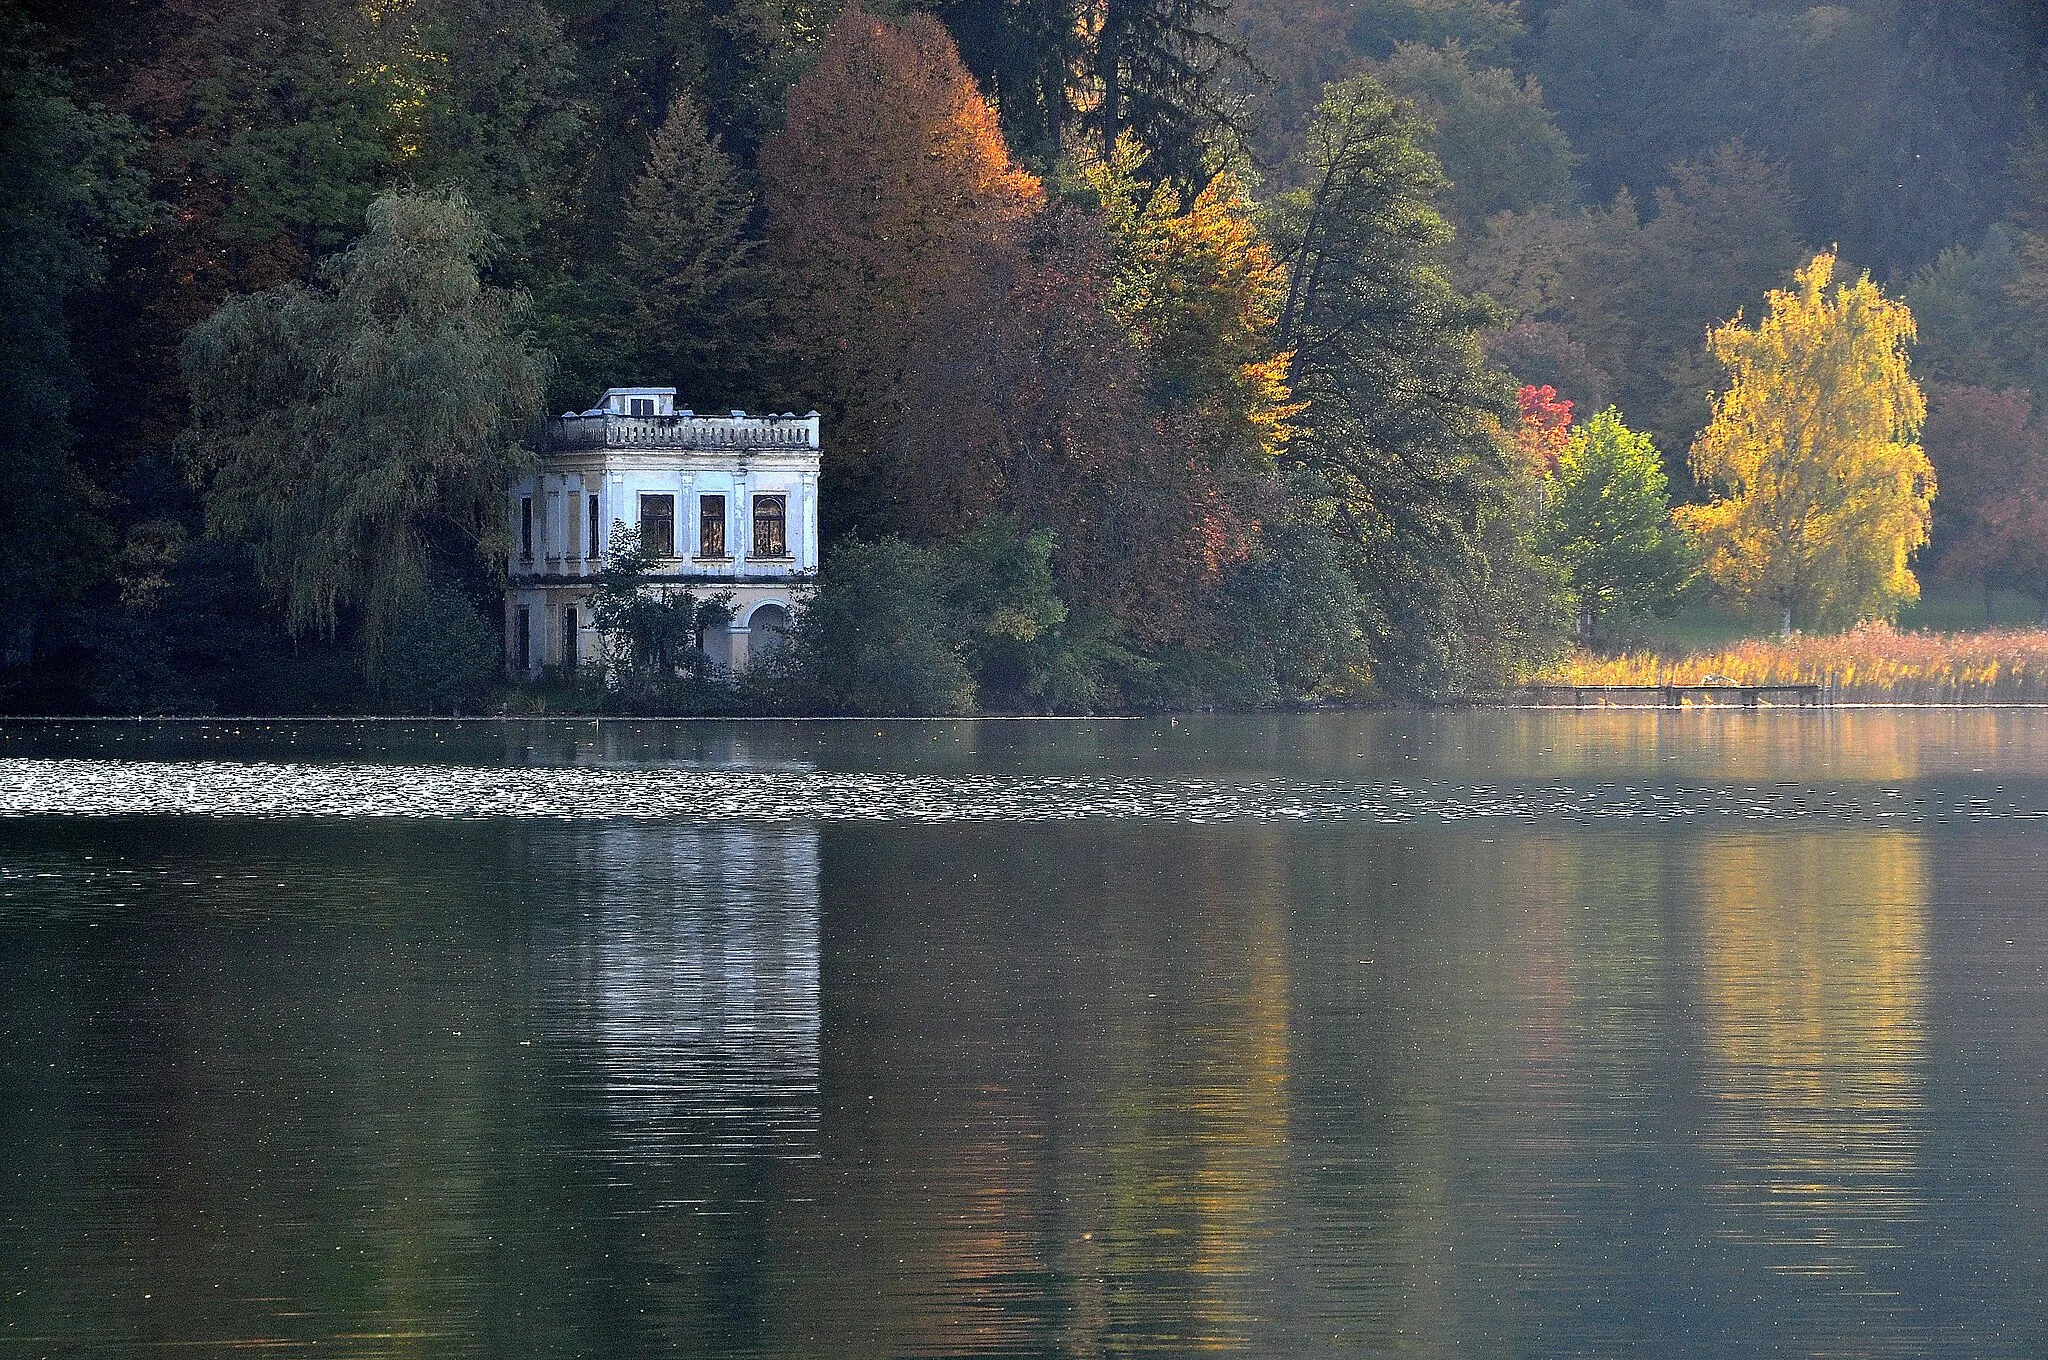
(693, 974)
(1815, 953)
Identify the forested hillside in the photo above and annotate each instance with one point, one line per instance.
(1168, 350)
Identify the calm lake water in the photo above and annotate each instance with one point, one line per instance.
(1493, 1034)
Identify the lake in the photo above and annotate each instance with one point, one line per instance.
(1478, 1033)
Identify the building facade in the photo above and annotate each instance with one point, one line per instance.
(724, 503)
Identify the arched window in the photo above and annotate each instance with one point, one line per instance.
(771, 520)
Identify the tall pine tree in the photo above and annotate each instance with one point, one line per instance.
(693, 298)
(1399, 450)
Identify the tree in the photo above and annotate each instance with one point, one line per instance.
(1992, 457)
(879, 636)
(1608, 525)
(692, 291)
(1159, 71)
(1398, 444)
(651, 633)
(1499, 145)
(1543, 354)
(1300, 46)
(1028, 54)
(1823, 488)
(444, 657)
(1973, 331)
(1545, 430)
(70, 186)
(492, 105)
(1194, 281)
(360, 432)
(1050, 425)
(888, 189)
(1640, 291)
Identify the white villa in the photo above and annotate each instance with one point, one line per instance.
(725, 503)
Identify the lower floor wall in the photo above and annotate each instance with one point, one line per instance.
(548, 628)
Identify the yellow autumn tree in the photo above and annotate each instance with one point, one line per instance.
(1822, 488)
(1197, 285)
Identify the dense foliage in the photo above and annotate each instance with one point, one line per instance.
(355, 432)
(1607, 524)
(1180, 338)
(1823, 490)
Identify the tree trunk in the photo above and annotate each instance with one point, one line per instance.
(1785, 624)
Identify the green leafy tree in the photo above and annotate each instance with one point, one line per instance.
(1026, 650)
(356, 432)
(880, 636)
(1608, 525)
(1294, 607)
(492, 105)
(1398, 450)
(1499, 145)
(445, 657)
(1823, 489)
(652, 631)
(1972, 329)
(70, 184)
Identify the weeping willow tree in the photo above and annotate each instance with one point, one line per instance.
(359, 435)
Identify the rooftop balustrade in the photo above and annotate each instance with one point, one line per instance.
(602, 430)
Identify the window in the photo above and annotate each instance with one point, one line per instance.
(526, 527)
(643, 406)
(523, 650)
(572, 525)
(771, 519)
(569, 658)
(590, 548)
(658, 525)
(711, 526)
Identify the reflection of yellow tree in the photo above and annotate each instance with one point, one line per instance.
(1814, 958)
(1837, 744)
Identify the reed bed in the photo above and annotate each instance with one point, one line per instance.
(1871, 664)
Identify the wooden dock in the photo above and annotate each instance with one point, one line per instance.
(1673, 696)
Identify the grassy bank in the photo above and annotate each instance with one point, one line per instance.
(2000, 665)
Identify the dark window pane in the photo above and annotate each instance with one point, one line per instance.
(526, 526)
(569, 657)
(711, 526)
(770, 527)
(658, 525)
(525, 638)
(590, 545)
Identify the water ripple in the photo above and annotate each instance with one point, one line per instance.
(37, 787)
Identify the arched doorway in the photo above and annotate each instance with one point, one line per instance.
(767, 631)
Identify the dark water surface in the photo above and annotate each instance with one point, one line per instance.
(1491, 1034)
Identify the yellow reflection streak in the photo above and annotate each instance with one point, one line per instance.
(1815, 988)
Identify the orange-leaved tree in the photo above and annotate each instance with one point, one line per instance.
(888, 191)
(1545, 430)
(1042, 416)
